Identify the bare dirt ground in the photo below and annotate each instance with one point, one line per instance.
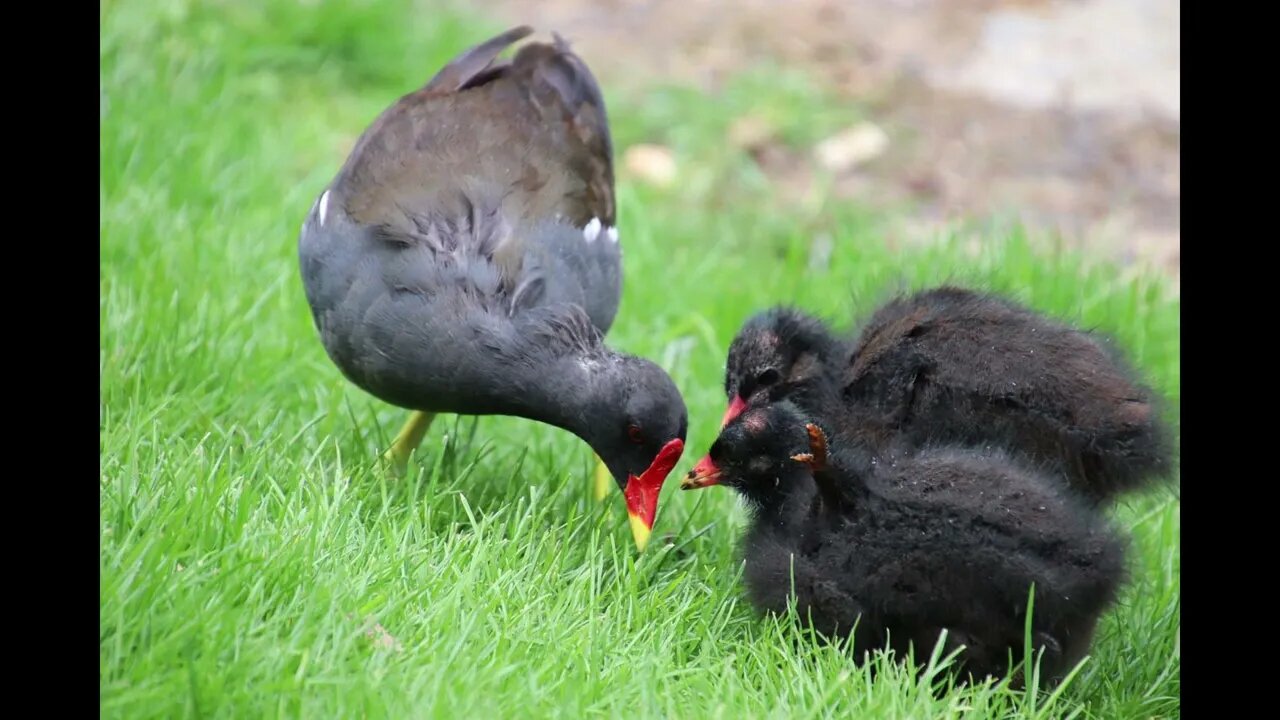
(1064, 113)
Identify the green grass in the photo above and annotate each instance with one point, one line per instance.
(244, 537)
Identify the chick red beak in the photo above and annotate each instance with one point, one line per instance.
(736, 406)
(641, 492)
(704, 474)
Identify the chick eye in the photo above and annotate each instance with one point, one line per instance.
(633, 432)
(768, 377)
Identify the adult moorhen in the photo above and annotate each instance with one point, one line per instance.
(951, 365)
(466, 260)
(895, 552)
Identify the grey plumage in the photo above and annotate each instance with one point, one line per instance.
(451, 266)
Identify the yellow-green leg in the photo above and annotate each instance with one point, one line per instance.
(602, 480)
(410, 437)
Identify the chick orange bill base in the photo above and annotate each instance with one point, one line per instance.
(736, 406)
(641, 492)
(704, 474)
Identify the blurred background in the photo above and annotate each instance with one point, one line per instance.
(1061, 113)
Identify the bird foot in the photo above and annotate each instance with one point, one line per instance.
(396, 458)
(395, 463)
(601, 481)
(816, 458)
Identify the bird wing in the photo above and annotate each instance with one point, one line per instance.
(492, 146)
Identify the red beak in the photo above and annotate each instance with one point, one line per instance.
(641, 492)
(736, 406)
(704, 474)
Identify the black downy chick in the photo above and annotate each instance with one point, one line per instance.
(954, 366)
(947, 538)
(784, 353)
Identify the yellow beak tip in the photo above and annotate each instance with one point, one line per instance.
(640, 532)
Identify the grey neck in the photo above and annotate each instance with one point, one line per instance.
(565, 392)
(564, 384)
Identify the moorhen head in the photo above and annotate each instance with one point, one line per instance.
(946, 538)
(756, 454)
(780, 353)
(466, 259)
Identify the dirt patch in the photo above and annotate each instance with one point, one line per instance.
(1062, 113)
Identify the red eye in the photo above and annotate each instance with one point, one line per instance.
(633, 432)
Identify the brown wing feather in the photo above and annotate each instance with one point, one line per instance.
(569, 101)
(533, 131)
(465, 70)
(376, 186)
